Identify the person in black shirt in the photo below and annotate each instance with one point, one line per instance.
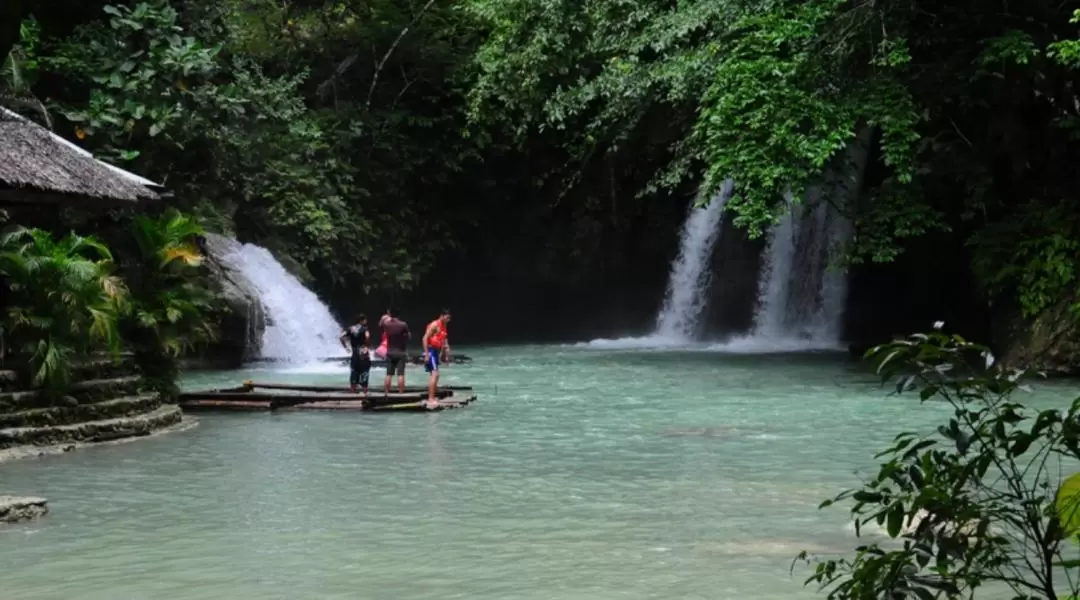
(397, 338)
(359, 337)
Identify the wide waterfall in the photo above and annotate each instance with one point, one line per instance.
(801, 298)
(300, 328)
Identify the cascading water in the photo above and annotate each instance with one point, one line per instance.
(677, 323)
(689, 280)
(300, 328)
(801, 300)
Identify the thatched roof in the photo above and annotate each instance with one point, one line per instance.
(34, 159)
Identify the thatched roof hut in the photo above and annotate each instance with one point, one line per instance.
(37, 165)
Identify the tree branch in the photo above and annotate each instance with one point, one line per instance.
(382, 62)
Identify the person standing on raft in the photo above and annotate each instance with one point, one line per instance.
(397, 336)
(435, 344)
(360, 361)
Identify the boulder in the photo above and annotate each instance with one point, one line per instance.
(21, 508)
(1049, 342)
(241, 317)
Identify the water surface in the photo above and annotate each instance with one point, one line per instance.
(580, 474)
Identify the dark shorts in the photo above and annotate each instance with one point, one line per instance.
(359, 370)
(431, 361)
(395, 363)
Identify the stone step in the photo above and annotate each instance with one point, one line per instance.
(83, 392)
(52, 416)
(92, 431)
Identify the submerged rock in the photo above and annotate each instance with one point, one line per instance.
(21, 508)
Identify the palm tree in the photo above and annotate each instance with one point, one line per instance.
(167, 304)
(63, 301)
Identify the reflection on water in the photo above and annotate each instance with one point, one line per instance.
(580, 474)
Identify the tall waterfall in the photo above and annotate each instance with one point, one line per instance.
(300, 328)
(689, 279)
(801, 299)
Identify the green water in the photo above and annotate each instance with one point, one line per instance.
(580, 474)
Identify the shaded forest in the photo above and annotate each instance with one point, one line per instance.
(530, 163)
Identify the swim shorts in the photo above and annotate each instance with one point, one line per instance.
(431, 361)
(395, 364)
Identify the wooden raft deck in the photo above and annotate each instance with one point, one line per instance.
(316, 397)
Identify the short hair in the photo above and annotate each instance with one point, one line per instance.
(445, 312)
(392, 312)
(361, 317)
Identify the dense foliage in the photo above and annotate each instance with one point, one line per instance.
(370, 145)
(252, 115)
(983, 503)
(168, 302)
(67, 300)
(974, 109)
(63, 301)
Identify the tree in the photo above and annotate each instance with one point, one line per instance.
(983, 503)
(63, 301)
(770, 93)
(167, 308)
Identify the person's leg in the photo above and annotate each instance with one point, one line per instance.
(354, 373)
(389, 375)
(401, 375)
(431, 365)
(365, 377)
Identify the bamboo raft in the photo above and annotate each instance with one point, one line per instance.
(283, 396)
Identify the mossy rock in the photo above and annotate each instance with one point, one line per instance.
(83, 392)
(67, 415)
(92, 431)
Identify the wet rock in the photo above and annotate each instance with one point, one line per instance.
(21, 508)
(240, 317)
(1050, 342)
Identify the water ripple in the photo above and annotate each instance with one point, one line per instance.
(579, 475)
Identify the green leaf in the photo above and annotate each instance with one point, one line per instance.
(895, 519)
(1067, 505)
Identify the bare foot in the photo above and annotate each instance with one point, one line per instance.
(432, 404)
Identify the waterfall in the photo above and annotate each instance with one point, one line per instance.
(299, 327)
(689, 279)
(801, 299)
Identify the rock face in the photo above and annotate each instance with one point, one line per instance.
(21, 508)
(241, 319)
(1049, 343)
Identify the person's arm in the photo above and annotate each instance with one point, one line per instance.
(367, 339)
(341, 338)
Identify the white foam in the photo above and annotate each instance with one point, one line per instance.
(753, 344)
(749, 344)
(645, 342)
